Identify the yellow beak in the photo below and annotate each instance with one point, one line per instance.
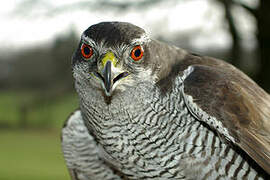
(109, 56)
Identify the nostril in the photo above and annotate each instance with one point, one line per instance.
(120, 76)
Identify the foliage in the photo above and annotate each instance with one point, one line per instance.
(49, 113)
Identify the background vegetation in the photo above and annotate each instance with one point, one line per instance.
(36, 87)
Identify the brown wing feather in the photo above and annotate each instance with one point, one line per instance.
(241, 105)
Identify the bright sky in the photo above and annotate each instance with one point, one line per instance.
(202, 16)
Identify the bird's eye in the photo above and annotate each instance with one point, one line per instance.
(86, 51)
(137, 53)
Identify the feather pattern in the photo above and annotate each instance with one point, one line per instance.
(81, 152)
(176, 115)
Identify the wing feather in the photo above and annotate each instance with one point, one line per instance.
(233, 105)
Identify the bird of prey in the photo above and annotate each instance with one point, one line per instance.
(149, 110)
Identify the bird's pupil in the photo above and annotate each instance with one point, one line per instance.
(86, 50)
(137, 53)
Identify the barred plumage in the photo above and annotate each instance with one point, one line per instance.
(152, 126)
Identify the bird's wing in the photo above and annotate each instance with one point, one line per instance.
(69, 139)
(232, 105)
(81, 151)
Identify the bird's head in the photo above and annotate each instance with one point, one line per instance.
(112, 57)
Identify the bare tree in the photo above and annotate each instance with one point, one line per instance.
(260, 13)
(262, 16)
(235, 52)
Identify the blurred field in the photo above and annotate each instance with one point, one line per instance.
(33, 152)
(38, 110)
(31, 155)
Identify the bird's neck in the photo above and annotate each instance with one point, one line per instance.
(145, 107)
(153, 121)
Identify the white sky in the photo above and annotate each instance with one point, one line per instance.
(203, 16)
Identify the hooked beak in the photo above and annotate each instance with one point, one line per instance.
(108, 73)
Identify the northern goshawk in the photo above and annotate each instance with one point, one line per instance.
(149, 110)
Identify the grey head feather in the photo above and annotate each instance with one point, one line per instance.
(113, 33)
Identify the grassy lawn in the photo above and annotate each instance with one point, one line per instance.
(31, 154)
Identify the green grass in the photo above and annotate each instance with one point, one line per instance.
(31, 155)
(9, 108)
(34, 152)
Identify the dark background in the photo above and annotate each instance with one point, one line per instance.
(36, 87)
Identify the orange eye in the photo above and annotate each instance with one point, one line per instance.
(137, 53)
(86, 51)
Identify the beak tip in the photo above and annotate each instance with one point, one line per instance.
(107, 90)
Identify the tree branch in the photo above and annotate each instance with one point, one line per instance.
(26, 6)
(251, 10)
(236, 47)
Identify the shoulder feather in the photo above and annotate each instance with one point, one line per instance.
(233, 105)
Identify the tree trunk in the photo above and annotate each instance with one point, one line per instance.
(263, 20)
(236, 50)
